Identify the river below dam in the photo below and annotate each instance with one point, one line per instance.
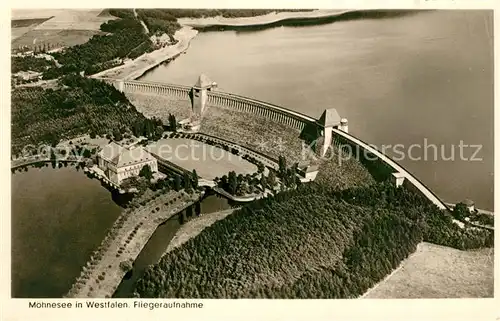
(423, 80)
(159, 241)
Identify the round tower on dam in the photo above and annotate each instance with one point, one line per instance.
(343, 125)
(119, 84)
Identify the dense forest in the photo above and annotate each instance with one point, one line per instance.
(126, 38)
(159, 21)
(30, 63)
(124, 41)
(81, 105)
(342, 244)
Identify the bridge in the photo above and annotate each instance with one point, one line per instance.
(167, 166)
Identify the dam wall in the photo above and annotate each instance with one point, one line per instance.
(273, 112)
(385, 166)
(220, 99)
(379, 164)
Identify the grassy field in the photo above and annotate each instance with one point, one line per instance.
(246, 129)
(63, 27)
(257, 133)
(22, 26)
(83, 19)
(435, 271)
(65, 38)
(209, 161)
(253, 131)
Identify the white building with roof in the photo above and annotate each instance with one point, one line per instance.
(119, 163)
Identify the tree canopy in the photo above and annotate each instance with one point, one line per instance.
(306, 243)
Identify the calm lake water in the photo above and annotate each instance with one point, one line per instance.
(59, 217)
(420, 79)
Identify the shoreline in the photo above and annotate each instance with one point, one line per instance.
(136, 68)
(293, 19)
(269, 18)
(190, 27)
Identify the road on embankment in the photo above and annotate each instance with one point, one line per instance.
(101, 278)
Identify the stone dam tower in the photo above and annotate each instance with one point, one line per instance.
(329, 119)
(199, 96)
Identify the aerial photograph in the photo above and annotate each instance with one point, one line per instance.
(252, 153)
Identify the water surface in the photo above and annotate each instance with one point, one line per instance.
(420, 79)
(59, 217)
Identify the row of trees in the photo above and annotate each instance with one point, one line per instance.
(37, 47)
(240, 185)
(172, 123)
(151, 128)
(187, 182)
(159, 21)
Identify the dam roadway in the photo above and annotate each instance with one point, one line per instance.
(100, 277)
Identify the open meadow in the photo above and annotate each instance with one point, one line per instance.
(59, 27)
(160, 106)
(435, 271)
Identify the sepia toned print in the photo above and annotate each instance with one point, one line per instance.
(230, 153)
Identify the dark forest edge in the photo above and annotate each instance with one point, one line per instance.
(343, 243)
(312, 21)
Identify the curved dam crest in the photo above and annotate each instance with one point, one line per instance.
(287, 117)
